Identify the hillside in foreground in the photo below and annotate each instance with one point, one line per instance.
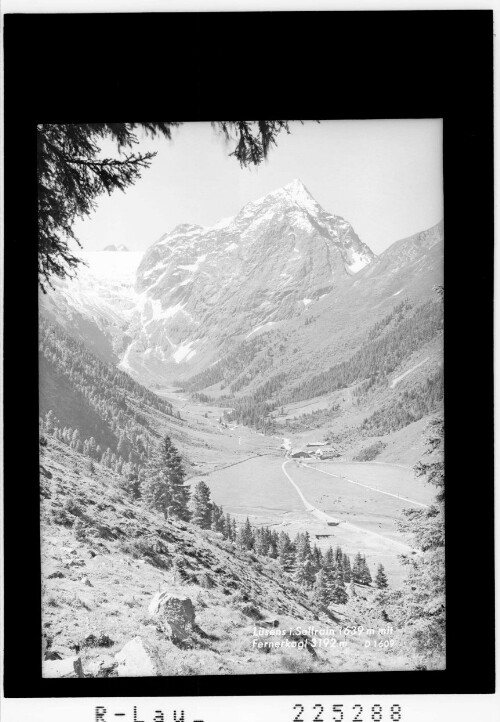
(105, 556)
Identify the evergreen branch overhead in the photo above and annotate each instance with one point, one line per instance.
(71, 176)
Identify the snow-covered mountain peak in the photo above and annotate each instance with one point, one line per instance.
(293, 192)
(297, 190)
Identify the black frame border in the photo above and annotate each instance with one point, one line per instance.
(309, 65)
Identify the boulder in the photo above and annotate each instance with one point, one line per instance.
(250, 610)
(173, 631)
(137, 659)
(174, 608)
(56, 575)
(52, 655)
(268, 623)
(205, 580)
(62, 668)
(96, 640)
(104, 666)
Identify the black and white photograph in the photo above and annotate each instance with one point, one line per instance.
(248, 365)
(241, 397)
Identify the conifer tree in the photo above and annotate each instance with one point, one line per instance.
(202, 507)
(245, 537)
(357, 569)
(228, 528)
(164, 487)
(317, 558)
(286, 552)
(422, 606)
(304, 573)
(381, 579)
(261, 542)
(366, 577)
(338, 591)
(321, 593)
(329, 559)
(272, 538)
(217, 518)
(75, 437)
(303, 549)
(50, 422)
(346, 568)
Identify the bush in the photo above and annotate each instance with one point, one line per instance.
(296, 664)
(370, 452)
(72, 507)
(80, 530)
(61, 517)
(250, 610)
(153, 551)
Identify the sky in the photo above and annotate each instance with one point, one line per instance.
(383, 176)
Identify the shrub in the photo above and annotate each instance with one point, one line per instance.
(370, 452)
(61, 517)
(71, 506)
(250, 610)
(80, 530)
(153, 551)
(296, 664)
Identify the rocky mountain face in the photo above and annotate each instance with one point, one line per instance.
(198, 293)
(200, 287)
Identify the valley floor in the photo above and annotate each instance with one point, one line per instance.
(246, 475)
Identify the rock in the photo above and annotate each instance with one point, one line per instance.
(173, 631)
(87, 582)
(268, 623)
(137, 659)
(52, 655)
(174, 608)
(56, 575)
(77, 563)
(62, 668)
(205, 580)
(96, 640)
(101, 667)
(249, 610)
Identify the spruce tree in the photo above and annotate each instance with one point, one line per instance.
(50, 422)
(317, 558)
(346, 568)
(217, 518)
(338, 593)
(286, 552)
(164, 487)
(328, 558)
(228, 529)
(422, 606)
(202, 506)
(381, 579)
(321, 593)
(261, 542)
(303, 549)
(245, 537)
(366, 577)
(304, 573)
(357, 569)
